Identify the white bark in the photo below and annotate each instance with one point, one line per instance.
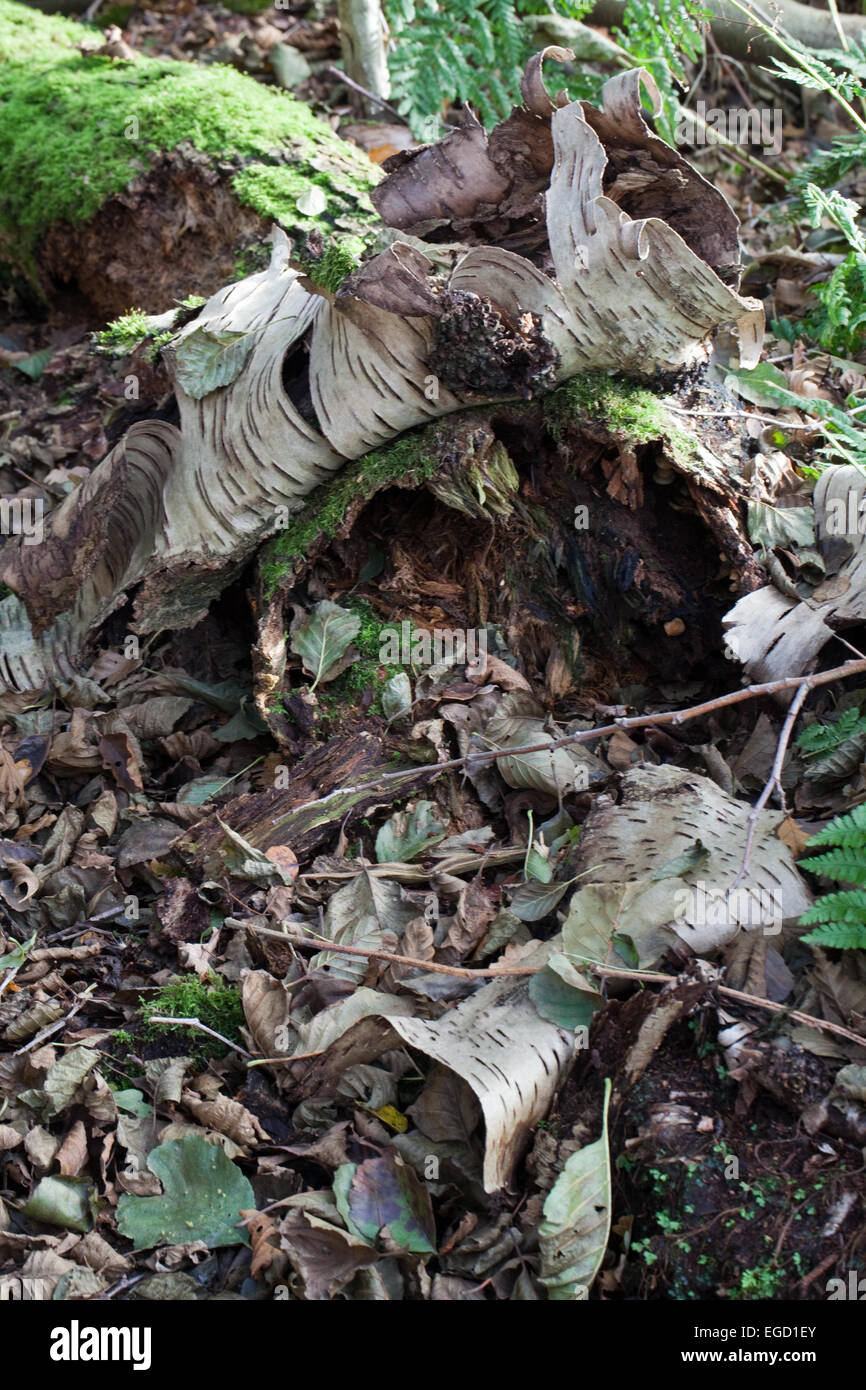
(178, 511)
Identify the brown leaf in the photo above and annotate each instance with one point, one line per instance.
(261, 1227)
(118, 758)
(266, 1009)
(72, 1154)
(476, 909)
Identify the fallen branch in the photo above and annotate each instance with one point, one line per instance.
(814, 28)
(637, 721)
(774, 781)
(495, 971)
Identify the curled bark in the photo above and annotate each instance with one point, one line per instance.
(278, 385)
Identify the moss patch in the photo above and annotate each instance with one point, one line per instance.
(368, 672)
(411, 459)
(216, 1005)
(631, 411)
(75, 130)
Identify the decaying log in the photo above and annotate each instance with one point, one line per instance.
(278, 383)
(138, 183)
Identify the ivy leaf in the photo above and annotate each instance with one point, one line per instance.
(386, 1192)
(321, 639)
(562, 996)
(203, 1195)
(205, 361)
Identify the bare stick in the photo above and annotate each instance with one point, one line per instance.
(495, 971)
(202, 1028)
(371, 96)
(60, 1022)
(773, 781)
(459, 971)
(757, 999)
(637, 721)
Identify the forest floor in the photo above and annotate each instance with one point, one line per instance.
(336, 1124)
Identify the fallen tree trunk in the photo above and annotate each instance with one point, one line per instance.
(810, 25)
(137, 183)
(629, 265)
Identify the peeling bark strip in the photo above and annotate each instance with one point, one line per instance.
(178, 510)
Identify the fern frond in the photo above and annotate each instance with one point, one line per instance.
(840, 936)
(848, 907)
(845, 865)
(822, 738)
(845, 831)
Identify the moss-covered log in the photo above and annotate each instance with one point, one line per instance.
(138, 183)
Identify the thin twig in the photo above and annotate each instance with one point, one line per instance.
(637, 721)
(496, 971)
(60, 1023)
(774, 781)
(459, 971)
(203, 1028)
(371, 96)
(757, 999)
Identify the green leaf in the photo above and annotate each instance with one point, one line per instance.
(562, 996)
(18, 955)
(841, 936)
(692, 858)
(532, 901)
(626, 950)
(322, 638)
(243, 860)
(537, 867)
(386, 1192)
(205, 361)
(203, 1194)
(66, 1202)
(573, 1234)
(844, 864)
(34, 365)
(133, 1102)
(845, 831)
(407, 834)
(397, 696)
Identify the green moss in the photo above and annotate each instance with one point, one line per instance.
(217, 1005)
(124, 334)
(341, 257)
(412, 457)
(632, 411)
(74, 130)
(247, 6)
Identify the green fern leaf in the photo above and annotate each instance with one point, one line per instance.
(845, 865)
(845, 831)
(841, 936)
(848, 906)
